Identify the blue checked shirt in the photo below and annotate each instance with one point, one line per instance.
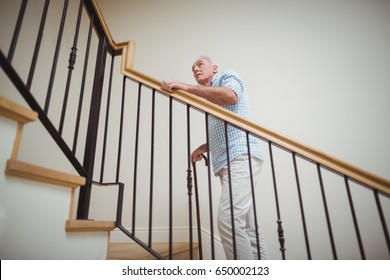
(236, 138)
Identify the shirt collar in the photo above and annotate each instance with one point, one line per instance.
(213, 80)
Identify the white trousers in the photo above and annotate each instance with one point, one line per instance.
(244, 222)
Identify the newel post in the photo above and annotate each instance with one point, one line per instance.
(92, 132)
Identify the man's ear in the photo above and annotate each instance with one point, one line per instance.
(215, 69)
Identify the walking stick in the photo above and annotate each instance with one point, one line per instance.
(198, 207)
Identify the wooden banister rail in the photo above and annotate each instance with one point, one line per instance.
(327, 161)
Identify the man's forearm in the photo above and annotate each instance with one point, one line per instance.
(217, 95)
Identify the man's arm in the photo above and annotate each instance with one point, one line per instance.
(217, 95)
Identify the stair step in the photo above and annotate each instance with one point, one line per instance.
(89, 225)
(16, 112)
(133, 251)
(34, 172)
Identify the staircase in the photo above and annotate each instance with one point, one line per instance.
(33, 200)
(20, 116)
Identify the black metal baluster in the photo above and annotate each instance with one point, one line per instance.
(136, 159)
(38, 44)
(151, 170)
(56, 54)
(279, 221)
(210, 190)
(326, 212)
(253, 197)
(72, 62)
(230, 192)
(18, 26)
(355, 222)
(82, 88)
(382, 218)
(170, 182)
(118, 163)
(120, 205)
(189, 179)
(301, 207)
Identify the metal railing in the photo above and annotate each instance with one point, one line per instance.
(299, 165)
(149, 171)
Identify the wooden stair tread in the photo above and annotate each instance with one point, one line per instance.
(42, 174)
(89, 225)
(16, 112)
(133, 251)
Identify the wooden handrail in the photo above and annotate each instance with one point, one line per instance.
(261, 131)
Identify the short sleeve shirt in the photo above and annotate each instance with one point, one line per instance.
(237, 139)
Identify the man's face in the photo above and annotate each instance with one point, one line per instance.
(204, 71)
